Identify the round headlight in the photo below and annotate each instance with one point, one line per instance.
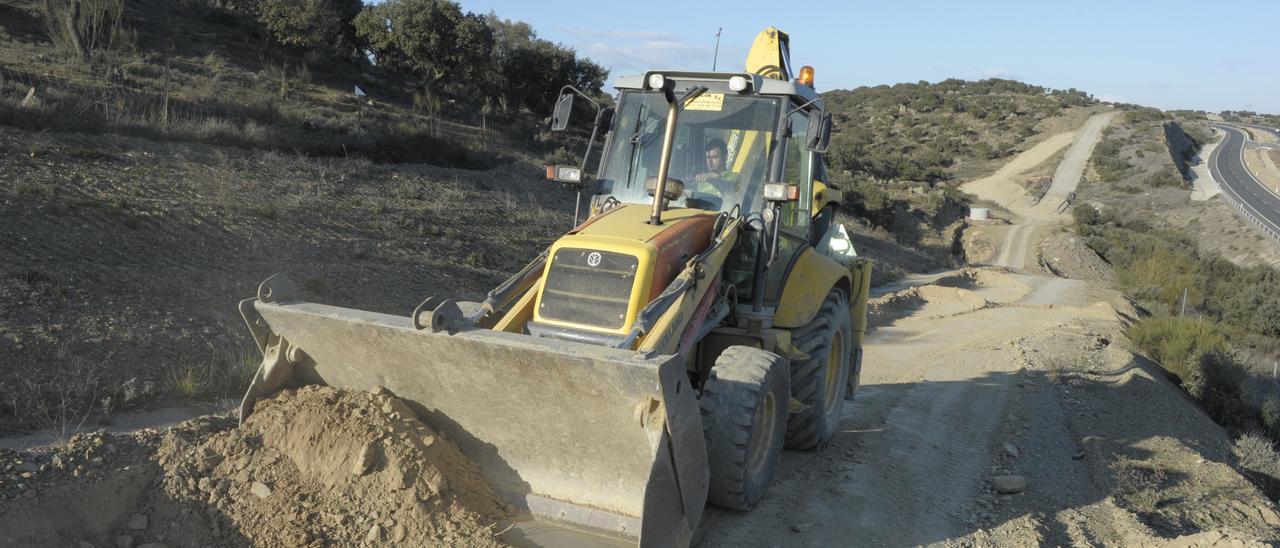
(738, 83)
(656, 81)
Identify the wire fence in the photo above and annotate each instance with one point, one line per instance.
(116, 101)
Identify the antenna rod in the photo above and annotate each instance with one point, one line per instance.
(717, 55)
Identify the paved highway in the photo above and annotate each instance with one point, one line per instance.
(1227, 166)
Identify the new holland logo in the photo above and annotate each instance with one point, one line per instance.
(593, 259)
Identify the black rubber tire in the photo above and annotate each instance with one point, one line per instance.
(744, 417)
(820, 394)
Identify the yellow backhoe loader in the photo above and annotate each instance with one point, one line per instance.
(661, 354)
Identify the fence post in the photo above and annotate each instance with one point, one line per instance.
(165, 114)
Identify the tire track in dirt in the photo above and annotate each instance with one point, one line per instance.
(914, 448)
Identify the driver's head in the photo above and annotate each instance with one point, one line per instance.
(715, 155)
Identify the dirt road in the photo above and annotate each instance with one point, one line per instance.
(985, 380)
(1069, 172)
(957, 391)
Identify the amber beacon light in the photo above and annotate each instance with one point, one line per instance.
(806, 76)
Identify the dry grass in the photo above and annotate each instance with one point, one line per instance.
(1140, 485)
(1256, 452)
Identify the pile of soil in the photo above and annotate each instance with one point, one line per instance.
(310, 467)
(929, 301)
(1066, 255)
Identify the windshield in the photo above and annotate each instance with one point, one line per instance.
(721, 150)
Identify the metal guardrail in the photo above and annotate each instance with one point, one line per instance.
(1247, 212)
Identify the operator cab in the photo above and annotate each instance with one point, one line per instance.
(736, 134)
(724, 146)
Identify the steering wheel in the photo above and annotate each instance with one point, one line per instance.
(702, 200)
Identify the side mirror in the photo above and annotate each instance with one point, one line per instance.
(818, 135)
(560, 117)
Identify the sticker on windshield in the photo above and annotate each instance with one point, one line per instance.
(707, 101)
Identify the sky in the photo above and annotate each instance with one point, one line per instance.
(1171, 54)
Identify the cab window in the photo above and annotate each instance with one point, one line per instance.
(797, 171)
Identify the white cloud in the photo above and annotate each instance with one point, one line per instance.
(626, 52)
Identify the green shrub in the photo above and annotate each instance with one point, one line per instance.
(308, 23)
(1164, 178)
(1161, 275)
(1179, 344)
(1271, 414)
(1086, 215)
(1108, 162)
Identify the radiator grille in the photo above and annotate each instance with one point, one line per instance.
(588, 287)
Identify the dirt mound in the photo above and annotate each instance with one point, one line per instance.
(929, 301)
(313, 467)
(1065, 255)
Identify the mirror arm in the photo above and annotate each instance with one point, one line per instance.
(580, 94)
(797, 109)
(595, 128)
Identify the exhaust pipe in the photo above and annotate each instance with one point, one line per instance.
(657, 81)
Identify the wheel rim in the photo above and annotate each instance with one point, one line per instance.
(835, 363)
(762, 434)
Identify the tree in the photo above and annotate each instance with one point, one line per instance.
(432, 38)
(309, 23)
(531, 70)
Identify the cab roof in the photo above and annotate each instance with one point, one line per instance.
(759, 84)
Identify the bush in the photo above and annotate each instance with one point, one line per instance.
(1271, 414)
(1108, 162)
(1164, 178)
(1257, 454)
(84, 26)
(1179, 344)
(1086, 215)
(1161, 275)
(308, 23)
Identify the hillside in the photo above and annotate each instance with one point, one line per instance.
(1204, 274)
(899, 151)
(942, 131)
(155, 181)
(213, 72)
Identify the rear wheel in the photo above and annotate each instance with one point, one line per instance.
(820, 382)
(744, 415)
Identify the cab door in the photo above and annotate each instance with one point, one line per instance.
(795, 218)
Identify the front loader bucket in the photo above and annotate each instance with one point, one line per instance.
(603, 439)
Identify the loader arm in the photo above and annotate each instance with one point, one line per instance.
(698, 279)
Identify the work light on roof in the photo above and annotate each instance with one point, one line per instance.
(656, 81)
(739, 83)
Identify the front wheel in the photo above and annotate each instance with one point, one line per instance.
(820, 382)
(744, 416)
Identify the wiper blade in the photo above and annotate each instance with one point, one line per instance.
(689, 95)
